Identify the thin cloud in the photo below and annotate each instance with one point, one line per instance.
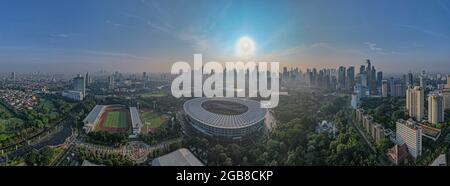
(60, 35)
(198, 42)
(444, 6)
(315, 49)
(115, 54)
(373, 46)
(132, 16)
(423, 31)
(115, 24)
(158, 27)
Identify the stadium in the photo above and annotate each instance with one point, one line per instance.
(229, 119)
(113, 119)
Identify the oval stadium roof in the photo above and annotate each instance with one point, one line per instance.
(254, 113)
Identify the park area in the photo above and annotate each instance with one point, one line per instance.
(153, 95)
(9, 124)
(152, 121)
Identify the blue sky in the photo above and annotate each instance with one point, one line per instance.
(146, 35)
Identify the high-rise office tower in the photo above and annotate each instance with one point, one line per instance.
(350, 82)
(362, 69)
(384, 88)
(373, 74)
(373, 78)
(13, 76)
(410, 79)
(368, 72)
(408, 133)
(87, 79)
(285, 73)
(435, 108)
(314, 76)
(79, 84)
(379, 77)
(144, 76)
(392, 87)
(399, 90)
(363, 78)
(415, 102)
(422, 81)
(111, 82)
(341, 77)
(446, 94)
(448, 81)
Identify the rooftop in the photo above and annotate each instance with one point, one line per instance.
(180, 157)
(441, 160)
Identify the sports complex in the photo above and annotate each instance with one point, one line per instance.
(113, 119)
(229, 119)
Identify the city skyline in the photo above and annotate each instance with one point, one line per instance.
(144, 35)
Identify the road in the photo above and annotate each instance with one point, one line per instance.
(52, 139)
(380, 159)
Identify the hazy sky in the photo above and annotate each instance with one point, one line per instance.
(145, 35)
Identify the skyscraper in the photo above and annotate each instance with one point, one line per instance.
(415, 102)
(111, 82)
(422, 81)
(350, 78)
(392, 92)
(379, 77)
(363, 78)
(87, 79)
(373, 74)
(384, 88)
(369, 67)
(13, 76)
(399, 90)
(435, 108)
(144, 76)
(368, 73)
(448, 81)
(362, 69)
(341, 77)
(410, 79)
(79, 84)
(446, 94)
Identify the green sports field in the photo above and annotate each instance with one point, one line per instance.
(116, 120)
(152, 120)
(153, 95)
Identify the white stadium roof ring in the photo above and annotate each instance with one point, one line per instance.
(226, 113)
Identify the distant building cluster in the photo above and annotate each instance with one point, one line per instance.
(19, 100)
(415, 104)
(78, 91)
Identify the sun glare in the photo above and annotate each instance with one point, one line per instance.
(245, 47)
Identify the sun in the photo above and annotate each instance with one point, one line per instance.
(245, 47)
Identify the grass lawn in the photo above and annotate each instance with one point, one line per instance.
(116, 120)
(150, 95)
(152, 120)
